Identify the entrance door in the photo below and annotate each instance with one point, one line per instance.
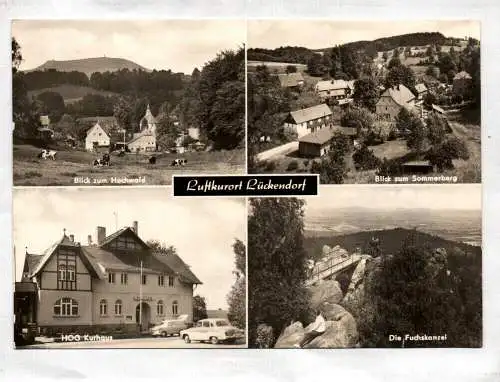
(146, 316)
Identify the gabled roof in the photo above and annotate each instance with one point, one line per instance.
(420, 88)
(400, 94)
(96, 126)
(139, 136)
(310, 113)
(319, 137)
(121, 231)
(462, 75)
(180, 268)
(290, 79)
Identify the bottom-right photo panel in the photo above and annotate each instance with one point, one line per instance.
(366, 266)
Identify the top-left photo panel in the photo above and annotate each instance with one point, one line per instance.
(120, 103)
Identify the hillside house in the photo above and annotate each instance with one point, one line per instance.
(462, 83)
(318, 143)
(392, 100)
(292, 81)
(421, 90)
(308, 120)
(118, 283)
(96, 137)
(335, 89)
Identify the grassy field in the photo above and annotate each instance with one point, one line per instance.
(30, 171)
(279, 67)
(71, 93)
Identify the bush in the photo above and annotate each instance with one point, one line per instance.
(306, 163)
(293, 165)
(364, 159)
(392, 167)
(270, 166)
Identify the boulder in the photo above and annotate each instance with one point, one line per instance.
(326, 250)
(326, 291)
(358, 275)
(292, 335)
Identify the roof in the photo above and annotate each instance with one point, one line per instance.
(418, 163)
(420, 88)
(108, 119)
(319, 137)
(310, 113)
(137, 137)
(437, 108)
(179, 267)
(290, 79)
(95, 126)
(25, 287)
(148, 116)
(345, 101)
(400, 94)
(462, 75)
(329, 85)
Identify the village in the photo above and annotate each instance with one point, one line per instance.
(388, 114)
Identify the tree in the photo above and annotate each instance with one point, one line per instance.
(122, 111)
(364, 159)
(366, 93)
(433, 71)
(236, 298)
(17, 57)
(361, 119)
(429, 100)
(315, 66)
(167, 132)
(199, 308)
(416, 137)
(385, 56)
(332, 168)
(158, 247)
(401, 74)
(291, 69)
(442, 155)
(394, 62)
(276, 264)
(52, 105)
(436, 127)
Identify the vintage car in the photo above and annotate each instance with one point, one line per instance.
(170, 327)
(214, 330)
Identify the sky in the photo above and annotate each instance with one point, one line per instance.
(202, 229)
(317, 34)
(178, 45)
(390, 197)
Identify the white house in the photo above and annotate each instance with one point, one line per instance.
(308, 120)
(96, 137)
(145, 139)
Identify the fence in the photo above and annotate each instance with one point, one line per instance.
(331, 266)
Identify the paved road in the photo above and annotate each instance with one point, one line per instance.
(280, 150)
(136, 343)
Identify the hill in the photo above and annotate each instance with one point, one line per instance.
(71, 93)
(390, 241)
(90, 65)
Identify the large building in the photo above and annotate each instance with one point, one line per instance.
(308, 120)
(96, 137)
(392, 101)
(335, 89)
(291, 80)
(117, 284)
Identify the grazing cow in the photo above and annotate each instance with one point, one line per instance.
(104, 161)
(47, 154)
(179, 162)
(152, 160)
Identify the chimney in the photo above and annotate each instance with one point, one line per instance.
(135, 227)
(89, 238)
(101, 235)
(72, 238)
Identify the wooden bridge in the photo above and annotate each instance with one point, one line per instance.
(329, 268)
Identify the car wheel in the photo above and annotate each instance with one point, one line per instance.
(187, 339)
(214, 340)
(163, 334)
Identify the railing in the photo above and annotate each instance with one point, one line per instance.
(327, 268)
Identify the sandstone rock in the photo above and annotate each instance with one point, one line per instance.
(355, 296)
(326, 250)
(326, 291)
(292, 335)
(358, 275)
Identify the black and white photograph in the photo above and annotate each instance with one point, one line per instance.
(122, 103)
(365, 101)
(128, 268)
(367, 267)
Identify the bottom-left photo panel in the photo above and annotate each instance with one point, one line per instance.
(128, 268)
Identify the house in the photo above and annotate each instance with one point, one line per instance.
(145, 139)
(335, 89)
(318, 143)
(421, 90)
(119, 283)
(308, 120)
(96, 137)
(291, 80)
(462, 83)
(392, 100)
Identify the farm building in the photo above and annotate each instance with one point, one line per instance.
(421, 90)
(96, 137)
(392, 100)
(142, 142)
(462, 83)
(291, 80)
(308, 120)
(318, 143)
(117, 283)
(335, 89)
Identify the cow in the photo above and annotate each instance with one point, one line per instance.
(104, 161)
(47, 154)
(152, 160)
(179, 162)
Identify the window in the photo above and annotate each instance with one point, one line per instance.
(159, 308)
(125, 243)
(111, 278)
(66, 269)
(170, 281)
(66, 307)
(62, 272)
(118, 307)
(206, 324)
(103, 307)
(221, 323)
(144, 279)
(124, 279)
(175, 308)
(161, 280)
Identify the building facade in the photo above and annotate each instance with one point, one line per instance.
(318, 143)
(308, 120)
(392, 101)
(96, 137)
(145, 139)
(335, 89)
(118, 284)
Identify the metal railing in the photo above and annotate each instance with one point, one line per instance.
(332, 266)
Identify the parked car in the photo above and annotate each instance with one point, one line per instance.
(214, 330)
(170, 327)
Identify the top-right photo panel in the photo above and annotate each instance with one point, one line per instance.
(365, 102)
